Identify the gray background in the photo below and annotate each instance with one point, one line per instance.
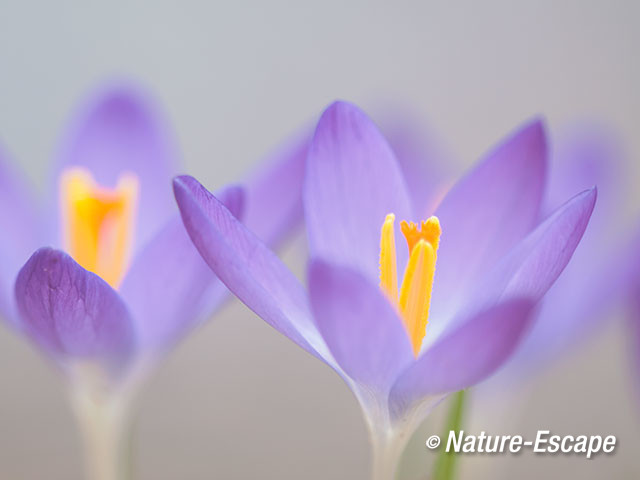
(236, 400)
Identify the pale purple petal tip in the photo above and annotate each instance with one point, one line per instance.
(427, 165)
(120, 129)
(274, 194)
(244, 264)
(352, 182)
(535, 263)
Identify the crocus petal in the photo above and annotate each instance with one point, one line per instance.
(120, 129)
(536, 262)
(634, 325)
(359, 325)
(464, 356)
(426, 164)
(586, 156)
(246, 266)
(274, 194)
(488, 212)
(20, 233)
(169, 288)
(561, 325)
(72, 314)
(352, 182)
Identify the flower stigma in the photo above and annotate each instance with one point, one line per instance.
(98, 222)
(414, 298)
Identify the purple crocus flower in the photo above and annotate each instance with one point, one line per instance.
(121, 282)
(476, 286)
(604, 270)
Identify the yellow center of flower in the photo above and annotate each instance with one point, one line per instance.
(98, 222)
(417, 283)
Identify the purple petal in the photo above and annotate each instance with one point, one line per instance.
(359, 325)
(20, 232)
(585, 155)
(464, 356)
(566, 317)
(352, 182)
(121, 129)
(426, 165)
(245, 265)
(169, 288)
(71, 313)
(536, 262)
(274, 195)
(599, 268)
(487, 212)
(634, 325)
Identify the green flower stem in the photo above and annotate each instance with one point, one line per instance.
(446, 464)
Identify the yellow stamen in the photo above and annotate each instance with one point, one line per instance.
(415, 295)
(98, 222)
(430, 231)
(388, 266)
(417, 283)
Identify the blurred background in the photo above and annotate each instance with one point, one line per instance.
(237, 400)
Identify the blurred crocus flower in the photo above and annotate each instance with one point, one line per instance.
(598, 277)
(473, 271)
(123, 282)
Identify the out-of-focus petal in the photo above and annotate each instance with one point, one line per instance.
(585, 156)
(352, 182)
(246, 266)
(120, 129)
(20, 232)
(464, 356)
(274, 194)
(487, 212)
(359, 325)
(536, 262)
(428, 168)
(634, 324)
(560, 325)
(170, 288)
(72, 314)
